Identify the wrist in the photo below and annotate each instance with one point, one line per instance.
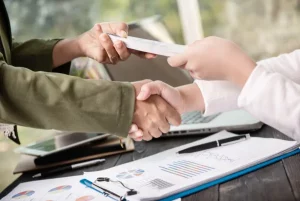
(78, 46)
(64, 51)
(183, 101)
(242, 73)
(191, 97)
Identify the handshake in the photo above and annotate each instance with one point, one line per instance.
(154, 111)
(158, 105)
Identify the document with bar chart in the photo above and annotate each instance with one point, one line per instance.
(167, 173)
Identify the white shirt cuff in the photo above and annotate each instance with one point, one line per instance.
(252, 86)
(218, 96)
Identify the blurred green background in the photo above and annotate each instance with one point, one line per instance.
(262, 28)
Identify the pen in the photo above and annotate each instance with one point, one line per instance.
(69, 167)
(214, 144)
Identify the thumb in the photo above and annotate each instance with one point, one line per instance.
(178, 60)
(149, 89)
(142, 82)
(138, 85)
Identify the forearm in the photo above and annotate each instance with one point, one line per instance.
(192, 98)
(65, 51)
(56, 101)
(209, 97)
(35, 54)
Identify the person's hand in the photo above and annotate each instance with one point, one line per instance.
(153, 116)
(97, 45)
(135, 132)
(170, 94)
(215, 58)
(147, 88)
(183, 99)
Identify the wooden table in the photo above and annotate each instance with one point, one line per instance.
(279, 181)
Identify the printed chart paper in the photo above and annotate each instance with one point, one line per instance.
(168, 173)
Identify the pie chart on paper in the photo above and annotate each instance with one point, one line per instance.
(60, 189)
(130, 174)
(22, 195)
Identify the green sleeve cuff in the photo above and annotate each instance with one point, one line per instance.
(126, 109)
(35, 54)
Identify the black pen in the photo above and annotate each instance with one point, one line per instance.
(69, 167)
(214, 144)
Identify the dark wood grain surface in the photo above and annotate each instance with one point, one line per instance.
(279, 181)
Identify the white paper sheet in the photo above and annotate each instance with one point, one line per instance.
(150, 46)
(63, 189)
(167, 173)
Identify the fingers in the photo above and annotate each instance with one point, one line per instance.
(141, 83)
(118, 28)
(173, 117)
(163, 125)
(133, 128)
(98, 27)
(138, 85)
(147, 136)
(107, 44)
(149, 89)
(137, 136)
(121, 50)
(167, 115)
(138, 139)
(135, 133)
(143, 55)
(154, 132)
(149, 55)
(113, 52)
(118, 51)
(177, 60)
(121, 29)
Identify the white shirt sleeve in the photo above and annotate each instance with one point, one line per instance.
(222, 96)
(219, 96)
(273, 99)
(288, 65)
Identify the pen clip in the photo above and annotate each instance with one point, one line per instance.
(241, 138)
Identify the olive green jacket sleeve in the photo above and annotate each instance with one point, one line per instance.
(35, 54)
(57, 101)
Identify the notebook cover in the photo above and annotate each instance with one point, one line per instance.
(26, 162)
(110, 144)
(230, 177)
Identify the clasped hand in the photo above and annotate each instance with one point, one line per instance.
(157, 106)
